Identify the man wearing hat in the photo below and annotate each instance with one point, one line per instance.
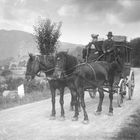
(108, 47)
(91, 48)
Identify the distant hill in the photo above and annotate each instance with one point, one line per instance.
(64, 46)
(14, 43)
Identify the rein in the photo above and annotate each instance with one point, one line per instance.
(66, 75)
(100, 57)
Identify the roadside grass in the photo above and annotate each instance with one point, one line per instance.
(28, 98)
(132, 130)
(34, 91)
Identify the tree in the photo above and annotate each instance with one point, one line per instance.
(6, 73)
(47, 35)
(135, 43)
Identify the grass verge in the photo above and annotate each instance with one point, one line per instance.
(28, 98)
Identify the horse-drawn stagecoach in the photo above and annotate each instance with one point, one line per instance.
(123, 83)
(117, 77)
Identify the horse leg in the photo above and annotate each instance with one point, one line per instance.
(75, 101)
(72, 104)
(111, 81)
(81, 93)
(72, 101)
(110, 106)
(53, 103)
(101, 97)
(62, 103)
(79, 104)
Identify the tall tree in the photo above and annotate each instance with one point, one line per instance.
(47, 34)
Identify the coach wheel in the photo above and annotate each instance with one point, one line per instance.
(131, 85)
(121, 91)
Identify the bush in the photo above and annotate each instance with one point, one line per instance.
(34, 91)
(13, 83)
(33, 85)
(6, 73)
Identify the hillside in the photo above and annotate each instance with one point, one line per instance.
(14, 43)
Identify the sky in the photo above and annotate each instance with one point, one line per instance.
(80, 18)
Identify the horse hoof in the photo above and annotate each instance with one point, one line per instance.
(52, 117)
(110, 114)
(97, 113)
(62, 118)
(85, 121)
(75, 119)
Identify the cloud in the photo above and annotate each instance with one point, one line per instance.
(68, 10)
(15, 6)
(131, 13)
(17, 15)
(87, 15)
(23, 13)
(96, 6)
(125, 11)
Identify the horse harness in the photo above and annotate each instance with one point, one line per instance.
(94, 73)
(45, 71)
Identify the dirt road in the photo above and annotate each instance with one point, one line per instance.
(31, 121)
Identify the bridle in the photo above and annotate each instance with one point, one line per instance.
(39, 72)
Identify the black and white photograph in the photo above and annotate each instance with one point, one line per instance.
(69, 69)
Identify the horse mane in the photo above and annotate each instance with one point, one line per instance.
(71, 62)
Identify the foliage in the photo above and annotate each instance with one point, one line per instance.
(46, 35)
(33, 85)
(6, 73)
(13, 83)
(6, 62)
(3, 84)
(135, 43)
(34, 91)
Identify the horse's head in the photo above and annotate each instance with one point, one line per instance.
(32, 67)
(60, 65)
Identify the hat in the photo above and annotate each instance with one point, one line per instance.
(94, 35)
(109, 34)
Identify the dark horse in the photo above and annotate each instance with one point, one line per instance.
(46, 64)
(83, 75)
